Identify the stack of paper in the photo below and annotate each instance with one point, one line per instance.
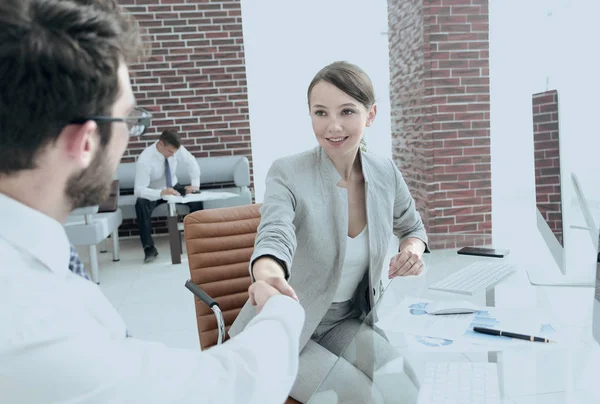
(423, 331)
(412, 318)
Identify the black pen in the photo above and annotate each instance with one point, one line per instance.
(501, 333)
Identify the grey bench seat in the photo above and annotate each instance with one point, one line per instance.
(227, 173)
(86, 227)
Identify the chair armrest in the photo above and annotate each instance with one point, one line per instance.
(241, 173)
(210, 302)
(200, 294)
(88, 210)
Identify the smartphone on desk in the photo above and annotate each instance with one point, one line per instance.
(484, 252)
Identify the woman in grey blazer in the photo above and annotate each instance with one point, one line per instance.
(326, 224)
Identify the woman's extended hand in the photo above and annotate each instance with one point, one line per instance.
(268, 270)
(405, 263)
(259, 293)
(282, 286)
(408, 261)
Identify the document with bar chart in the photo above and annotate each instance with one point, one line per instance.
(454, 333)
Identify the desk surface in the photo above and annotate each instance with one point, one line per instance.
(530, 372)
(202, 196)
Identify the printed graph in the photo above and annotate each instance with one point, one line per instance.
(484, 319)
(418, 309)
(546, 330)
(433, 342)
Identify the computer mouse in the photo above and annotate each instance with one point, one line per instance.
(451, 307)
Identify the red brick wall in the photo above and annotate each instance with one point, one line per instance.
(547, 162)
(195, 80)
(439, 63)
(458, 240)
(410, 141)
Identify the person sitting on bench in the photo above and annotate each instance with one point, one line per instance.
(155, 177)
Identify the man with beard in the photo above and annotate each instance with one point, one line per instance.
(67, 112)
(155, 177)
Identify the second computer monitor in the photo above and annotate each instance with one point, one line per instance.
(547, 165)
(596, 324)
(550, 196)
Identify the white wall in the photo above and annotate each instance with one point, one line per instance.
(286, 44)
(531, 52)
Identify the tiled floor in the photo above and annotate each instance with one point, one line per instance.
(151, 298)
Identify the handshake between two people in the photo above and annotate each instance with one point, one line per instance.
(269, 281)
(270, 276)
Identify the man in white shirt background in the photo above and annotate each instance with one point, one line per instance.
(155, 177)
(67, 112)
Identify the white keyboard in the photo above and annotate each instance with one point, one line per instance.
(474, 277)
(459, 383)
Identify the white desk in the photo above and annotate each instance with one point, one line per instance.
(531, 373)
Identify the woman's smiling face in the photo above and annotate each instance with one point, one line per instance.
(338, 120)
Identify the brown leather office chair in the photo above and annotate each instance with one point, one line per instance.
(219, 245)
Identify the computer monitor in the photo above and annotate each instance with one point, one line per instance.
(596, 323)
(550, 197)
(590, 227)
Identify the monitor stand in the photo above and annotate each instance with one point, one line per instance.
(551, 276)
(543, 274)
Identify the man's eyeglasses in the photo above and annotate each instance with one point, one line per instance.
(137, 121)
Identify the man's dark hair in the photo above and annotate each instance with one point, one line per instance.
(170, 137)
(58, 61)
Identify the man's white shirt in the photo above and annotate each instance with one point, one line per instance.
(150, 177)
(61, 341)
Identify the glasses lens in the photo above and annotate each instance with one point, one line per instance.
(135, 130)
(141, 121)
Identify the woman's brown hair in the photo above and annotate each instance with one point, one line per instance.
(349, 78)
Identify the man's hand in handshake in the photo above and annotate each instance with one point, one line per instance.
(261, 291)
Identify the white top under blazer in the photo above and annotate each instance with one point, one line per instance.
(356, 263)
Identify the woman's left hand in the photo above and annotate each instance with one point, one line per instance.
(407, 262)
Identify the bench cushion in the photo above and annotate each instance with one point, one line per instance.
(215, 170)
